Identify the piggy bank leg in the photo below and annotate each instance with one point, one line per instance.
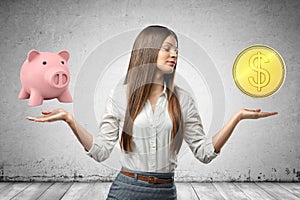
(23, 94)
(65, 97)
(35, 98)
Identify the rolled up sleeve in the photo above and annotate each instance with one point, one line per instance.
(108, 134)
(201, 145)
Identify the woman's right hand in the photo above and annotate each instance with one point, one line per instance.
(52, 115)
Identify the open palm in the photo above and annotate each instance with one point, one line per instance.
(254, 114)
(50, 116)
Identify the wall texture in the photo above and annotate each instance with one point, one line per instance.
(266, 149)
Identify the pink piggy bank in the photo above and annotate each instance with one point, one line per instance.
(45, 75)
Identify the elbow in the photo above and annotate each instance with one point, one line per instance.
(99, 153)
(206, 157)
(99, 158)
(205, 160)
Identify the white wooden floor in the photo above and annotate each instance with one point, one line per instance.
(185, 191)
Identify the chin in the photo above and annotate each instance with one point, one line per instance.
(169, 72)
(166, 69)
(171, 69)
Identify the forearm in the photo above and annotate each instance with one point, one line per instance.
(85, 138)
(223, 135)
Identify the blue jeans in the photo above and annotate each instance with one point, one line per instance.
(127, 188)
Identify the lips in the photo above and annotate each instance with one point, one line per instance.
(171, 63)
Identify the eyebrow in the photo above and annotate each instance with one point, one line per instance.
(170, 44)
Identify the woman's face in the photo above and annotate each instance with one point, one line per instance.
(167, 56)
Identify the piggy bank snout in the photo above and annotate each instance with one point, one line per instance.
(59, 79)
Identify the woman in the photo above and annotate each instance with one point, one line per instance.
(151, 117)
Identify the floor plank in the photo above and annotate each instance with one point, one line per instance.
(56, 191)
(277, 191)
(77, 191)
(185, 191)
(12, 189)
(33, 191)
(3, 184)
(98, 190)
(229, 191)
(253, 191)
(190, 191)
(207, 191)
(294, 188)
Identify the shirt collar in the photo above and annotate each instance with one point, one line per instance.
(164, 92)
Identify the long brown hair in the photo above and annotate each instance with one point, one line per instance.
(139, 79)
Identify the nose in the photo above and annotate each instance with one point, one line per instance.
(173, 53)
(59, 79)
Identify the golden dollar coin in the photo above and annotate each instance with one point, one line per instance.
(259, 71)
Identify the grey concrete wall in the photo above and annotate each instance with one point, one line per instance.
(266, 149)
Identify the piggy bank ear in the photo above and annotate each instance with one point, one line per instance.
(64, 54)
(32, 54)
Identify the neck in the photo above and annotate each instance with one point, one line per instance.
(158, 78)
(158, 84)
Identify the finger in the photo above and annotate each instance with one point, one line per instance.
(273, 113)
(46, 112)
(267, 114)
(256, 110)
(30, 118)
(42, 119)
(37, 119)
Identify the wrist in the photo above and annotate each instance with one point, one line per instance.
(239, 115)
(68, 118)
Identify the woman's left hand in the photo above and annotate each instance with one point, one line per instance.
(254, 114)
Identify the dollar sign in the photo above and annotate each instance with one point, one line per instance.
(263, 76)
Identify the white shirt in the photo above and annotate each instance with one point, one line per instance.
(151, 133)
